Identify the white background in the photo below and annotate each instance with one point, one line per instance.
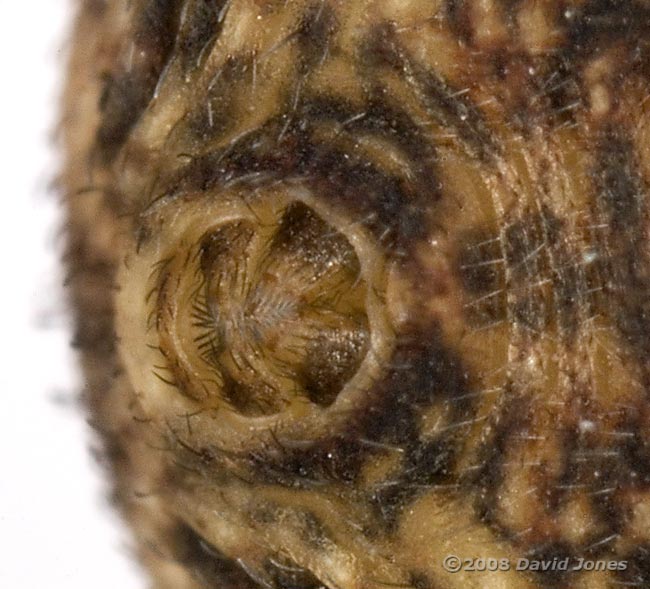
(56, 527)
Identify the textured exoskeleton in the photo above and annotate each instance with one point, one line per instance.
(364, 284)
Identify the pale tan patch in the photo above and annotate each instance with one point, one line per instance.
(489, 29)
(538, 30)
(576, 520)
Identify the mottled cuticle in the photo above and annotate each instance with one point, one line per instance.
(363, 284)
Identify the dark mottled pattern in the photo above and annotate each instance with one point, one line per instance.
(526, 269)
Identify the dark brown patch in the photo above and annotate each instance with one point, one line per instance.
(423, 371)
(549, 552)
(335, 459)
(480, 267)
(555, 489)
(444, 104)
(618, 186)
(457, 15)
(200, 30)
(621, 197)
(251, 400)
(547, 88)
(207, 564)
(306, 238)
(315, 33)
(634, 455)
(419, 580)
(94, 331)
(333, 358)
(637, 573)
(492, 455)
(479, 261)
(127, 93)
(217, 247)
(381, 201)
(385, 120)
(535, 253)
(96, 8)
(454, 110)
(545, 282)
(527, 238)
(604, 22)
(426, 465)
